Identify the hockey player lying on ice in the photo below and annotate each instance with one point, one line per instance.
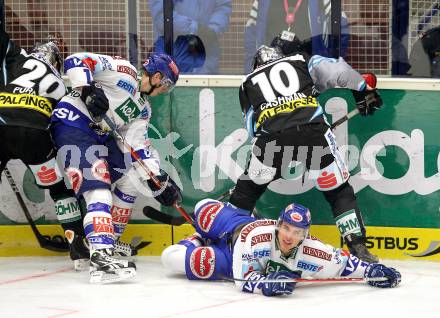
(244, 248)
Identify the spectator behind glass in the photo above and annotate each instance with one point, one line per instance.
(269, 18)
(425, 54)
(205, 18)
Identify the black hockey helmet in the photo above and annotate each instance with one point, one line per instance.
(266, 54)
(50, 52)
(288, 43)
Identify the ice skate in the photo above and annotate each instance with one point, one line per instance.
(357, 247)
(79, 250)
(104, 268)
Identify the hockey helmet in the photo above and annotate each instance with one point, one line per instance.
(266, 54)
(50, 52)
(288, 43)
(164, 64)
(297, 215)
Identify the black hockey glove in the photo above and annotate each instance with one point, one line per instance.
(95, 100)
(367, 101)
(168, 193)
(379, 270)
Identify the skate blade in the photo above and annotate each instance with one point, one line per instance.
(101, 277)
(81, 264)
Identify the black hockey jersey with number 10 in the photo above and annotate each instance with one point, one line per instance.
(279, 95)
(29, 87)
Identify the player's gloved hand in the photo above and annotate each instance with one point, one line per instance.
(95, 100)
(282, 288)
(168, 193)
(367, 101)
(379, 270)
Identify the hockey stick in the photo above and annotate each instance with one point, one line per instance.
(165, 218)
(44, 241)
(136, 157)
(340, 121)
(162, 217)
(311, 280)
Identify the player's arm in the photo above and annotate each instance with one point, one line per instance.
(344, 264)
(80, 69)
(136, 135)
(329, 73)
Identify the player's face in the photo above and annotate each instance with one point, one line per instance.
(160, 84)
(290, 236)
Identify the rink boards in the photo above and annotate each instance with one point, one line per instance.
(386, 242)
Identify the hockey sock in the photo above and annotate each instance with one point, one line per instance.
(121, 211)
(98, 225)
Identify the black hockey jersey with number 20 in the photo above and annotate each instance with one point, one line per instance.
(279, 95)
(29, 87)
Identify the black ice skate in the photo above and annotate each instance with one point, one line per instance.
(78, 249)
(104, 268)
(357, 247)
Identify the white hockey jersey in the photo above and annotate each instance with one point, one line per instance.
(119, 81)
(256, 249)
(128, 109)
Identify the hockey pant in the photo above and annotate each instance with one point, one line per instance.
(34, 147)
(315, 146)
(104, 176)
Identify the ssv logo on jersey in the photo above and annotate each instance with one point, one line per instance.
(64, 113)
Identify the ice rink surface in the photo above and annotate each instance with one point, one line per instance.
(48, 287)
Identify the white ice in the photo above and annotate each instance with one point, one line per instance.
(48, 287)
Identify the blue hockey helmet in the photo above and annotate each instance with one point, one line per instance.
(164, 64)
(297, 215)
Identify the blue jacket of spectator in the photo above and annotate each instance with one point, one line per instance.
(188, 16)
(320, 25)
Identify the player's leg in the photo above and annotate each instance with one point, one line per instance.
(123, 196)
(67, 207)
(35, 148)
(218, 221)
(260, 171)
(85, 164)
(330, 175)
(197, 261)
